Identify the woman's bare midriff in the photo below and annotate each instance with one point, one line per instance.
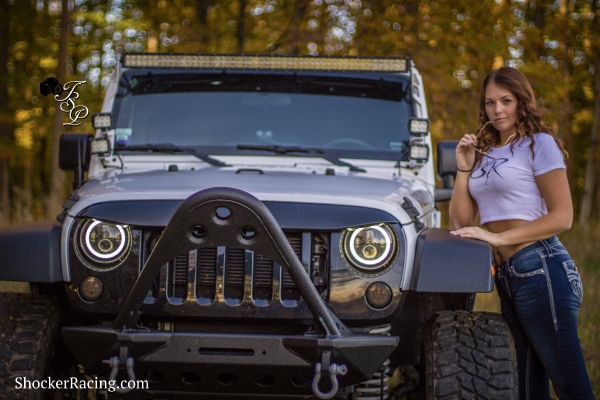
(501, 253)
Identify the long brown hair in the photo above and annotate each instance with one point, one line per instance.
(530, 116)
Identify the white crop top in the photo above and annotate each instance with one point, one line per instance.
(505, 188)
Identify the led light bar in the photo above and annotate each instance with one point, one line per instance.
(266, 62)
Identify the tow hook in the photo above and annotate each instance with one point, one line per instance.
(126, 363)
(325, 367)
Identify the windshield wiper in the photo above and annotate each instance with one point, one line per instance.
(296, 149)
(172, 149)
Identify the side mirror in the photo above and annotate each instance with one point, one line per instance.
(74, 154)
(446, 163)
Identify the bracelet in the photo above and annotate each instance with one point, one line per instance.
(465, 170)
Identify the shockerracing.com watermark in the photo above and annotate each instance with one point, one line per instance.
(74, 383)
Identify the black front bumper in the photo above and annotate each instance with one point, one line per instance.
(176, 363)
(213, 363)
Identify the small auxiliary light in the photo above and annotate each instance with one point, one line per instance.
(418, 126)
(102, 121)
(100, 146)
(419, 153)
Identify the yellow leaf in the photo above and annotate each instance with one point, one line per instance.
(498, 62)
(588, 92)
(48, 63)
(581, 121)
(21, 116)
(20, 46)
(24, 138)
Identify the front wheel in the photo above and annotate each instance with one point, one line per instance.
(29, 326)
(470, 355)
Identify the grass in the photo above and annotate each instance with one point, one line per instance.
(583, 249)
(14, 287)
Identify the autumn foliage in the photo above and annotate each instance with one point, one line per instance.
(453, 43)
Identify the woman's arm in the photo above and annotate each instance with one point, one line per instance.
(554, 188)
(463, 209)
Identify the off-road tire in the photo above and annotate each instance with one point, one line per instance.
(29, 326)
(470, 355)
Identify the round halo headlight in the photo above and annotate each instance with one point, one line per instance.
(104, 242)
(369, 249)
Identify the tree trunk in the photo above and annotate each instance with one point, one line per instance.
(241, 26)
(4, 192)
(585, 210)
(564, 131)
(540, 23)
(5, 118)
(57, 185)
(299, 10)
(290, 33)
(202, 13)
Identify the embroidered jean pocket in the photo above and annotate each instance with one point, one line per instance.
(528, 266)
(574, 279)
(558, 248)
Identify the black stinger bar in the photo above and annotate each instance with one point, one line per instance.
(248, 225)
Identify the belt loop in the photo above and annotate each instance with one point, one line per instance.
(547, 247)
(508, 266)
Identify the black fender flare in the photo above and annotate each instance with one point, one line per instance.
(451, 264)
(31, 252)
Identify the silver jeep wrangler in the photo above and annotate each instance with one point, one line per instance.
(257, 227)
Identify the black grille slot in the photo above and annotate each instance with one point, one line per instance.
(234, 273)
(206, 273)
(262, 280)
(288, 287)
(178, 272)
(225, 274)
(150, 240)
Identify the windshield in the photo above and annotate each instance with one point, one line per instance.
(217, 112)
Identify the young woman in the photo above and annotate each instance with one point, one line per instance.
(512, 175)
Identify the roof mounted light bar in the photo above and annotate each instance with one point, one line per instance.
(266, 62)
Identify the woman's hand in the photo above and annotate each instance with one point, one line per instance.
(473, 232)
(465, 153)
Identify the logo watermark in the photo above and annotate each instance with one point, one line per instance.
(67, 103)
(23, 382)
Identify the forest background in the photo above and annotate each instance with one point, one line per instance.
(454, 43)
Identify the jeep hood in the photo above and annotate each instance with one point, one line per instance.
(280, 186)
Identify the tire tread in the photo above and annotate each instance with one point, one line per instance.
(470, 355)
(28, 328)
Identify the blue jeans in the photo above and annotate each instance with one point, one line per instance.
(540, 294)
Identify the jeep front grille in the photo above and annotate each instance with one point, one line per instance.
(233, 275)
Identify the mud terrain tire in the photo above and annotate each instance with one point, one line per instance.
(29, 326)
(470, 355)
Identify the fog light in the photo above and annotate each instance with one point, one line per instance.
(90, 288)
(379, 295)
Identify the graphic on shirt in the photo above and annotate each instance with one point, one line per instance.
(487, 168)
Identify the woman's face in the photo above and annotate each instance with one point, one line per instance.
(501, 109)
